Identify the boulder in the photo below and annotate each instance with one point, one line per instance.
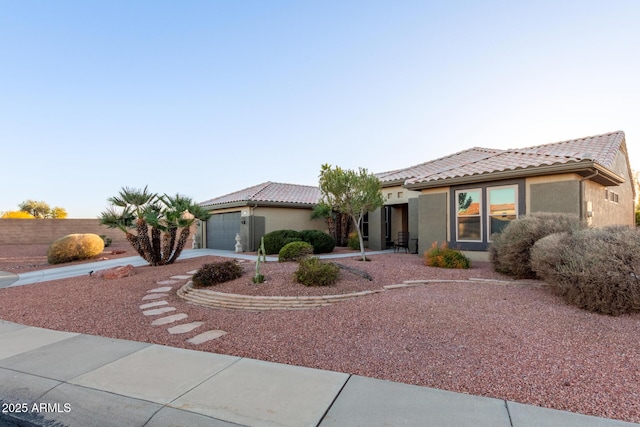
(75, 247)
(116, 272)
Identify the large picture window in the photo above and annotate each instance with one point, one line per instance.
(469, 215)
(482, 210)
(502, 207)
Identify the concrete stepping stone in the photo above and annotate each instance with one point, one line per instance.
(162, 289)
(184, 328)
(169, 319)
(156, 311)
(168, 282)
(153, 304)
(182, 277)
(154, 296)
(192, 272)
(206, 336)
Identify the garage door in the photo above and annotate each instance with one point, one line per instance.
(222, 230)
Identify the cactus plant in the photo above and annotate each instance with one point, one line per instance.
(259, 278)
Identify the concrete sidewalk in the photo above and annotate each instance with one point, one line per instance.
(10, 280)
(57, 378)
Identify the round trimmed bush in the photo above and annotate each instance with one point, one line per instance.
(217, 272)
(322, 242)
(313, 272)
(594, 269)
(74, 247)
(295, 251)
(510, 249)
(275, 240)
(445, 257)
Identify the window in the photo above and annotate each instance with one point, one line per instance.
(606, 194)
(364, 226)
(477, 213)
(502, 207)
(469, 215)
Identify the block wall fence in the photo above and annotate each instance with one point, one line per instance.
(45, 231)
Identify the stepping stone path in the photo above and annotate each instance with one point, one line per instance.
(155, 308)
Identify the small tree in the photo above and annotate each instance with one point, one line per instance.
(40, 209)
(351, 193)
(17, 215)
(156, 221)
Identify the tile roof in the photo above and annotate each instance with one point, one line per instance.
(270, 192)
(434, 166)
(600, 149)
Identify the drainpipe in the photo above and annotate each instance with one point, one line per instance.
(582, 195)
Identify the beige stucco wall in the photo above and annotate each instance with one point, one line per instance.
(289, 219)
(398, 195)
(607, 212)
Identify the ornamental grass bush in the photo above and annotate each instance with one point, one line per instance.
(353, 242)
(322, 242)
(313, 272)
(509, 251)
(216, 272)
(594, 269)
(445, 257)
(74, 247)
(295, 251)
(275, 240)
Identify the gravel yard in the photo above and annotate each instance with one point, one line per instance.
(513, 341)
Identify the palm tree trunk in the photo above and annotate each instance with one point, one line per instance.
(143, 238)
(135, 242)
(184, 235)
(155, 245)
(168, 241)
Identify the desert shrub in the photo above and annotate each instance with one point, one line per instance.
(322, 243)
(445, 257)
(275, 240)
(595, 269)
(353, 242)
(107, 240)
(509, 251)
(295, 251)
(75, 247)
(217, 272)
(313, 272)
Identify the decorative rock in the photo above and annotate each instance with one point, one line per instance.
(116, 272)
(206, 336)
(153, 304)
(154, 296)
(162, 289)
(169, 319)
(187, 327)
(156, 311)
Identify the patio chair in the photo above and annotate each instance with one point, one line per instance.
(402, 242)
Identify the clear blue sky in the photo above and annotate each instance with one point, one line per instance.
(209, 97)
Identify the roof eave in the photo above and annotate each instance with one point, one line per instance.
(254, 203)
(587, 169)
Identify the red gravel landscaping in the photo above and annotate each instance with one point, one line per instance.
(513, 341)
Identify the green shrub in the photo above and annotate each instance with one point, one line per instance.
(75, 247)
(594, 269)
(509, 251)
(322, 243)
(295, 251)
(353, 242)
(276, 240)
(107, 240)
(445, 257)
(217, 272)
(313, 272)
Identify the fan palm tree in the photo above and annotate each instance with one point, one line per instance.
(151, 222)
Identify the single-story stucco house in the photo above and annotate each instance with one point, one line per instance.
(255, 211)
(465, 197)
(460, 199)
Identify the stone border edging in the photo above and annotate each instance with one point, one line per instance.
(215, 299)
